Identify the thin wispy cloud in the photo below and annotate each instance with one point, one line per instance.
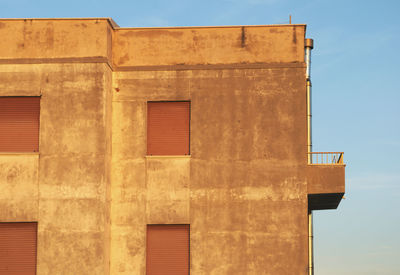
(151, 21)
(375, 181)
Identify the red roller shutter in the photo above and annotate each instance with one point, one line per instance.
(167, 250)
(168, 128)
(19, 124)
(18, 248)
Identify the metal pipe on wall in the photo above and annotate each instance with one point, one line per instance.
(310, 244)
(309, 45)
(309, 124)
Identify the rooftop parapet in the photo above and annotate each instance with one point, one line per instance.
(55, 40)
(101, 40)
(208, 45)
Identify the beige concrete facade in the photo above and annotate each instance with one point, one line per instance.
(246, 187)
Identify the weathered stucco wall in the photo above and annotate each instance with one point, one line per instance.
(73, 180)
(64, 188)
(241, 190)
(19, 196)
(208, 45)
(247, 201)
(52, 39)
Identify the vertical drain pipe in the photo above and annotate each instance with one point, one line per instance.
(309, 117)
(310, 244)
(309, 45)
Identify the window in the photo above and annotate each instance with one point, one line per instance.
(167, 249)
(18, 248)
(168, 127)
(19, 124)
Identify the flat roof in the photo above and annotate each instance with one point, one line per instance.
(109, 19)
(114, 25)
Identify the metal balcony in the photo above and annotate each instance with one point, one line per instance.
(326, 181)
(325, 158)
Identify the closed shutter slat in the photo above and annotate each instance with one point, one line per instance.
(18, 243)
(19, 124)
(168, 126)
(167, 250)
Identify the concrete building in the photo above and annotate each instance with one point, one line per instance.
(158, 150)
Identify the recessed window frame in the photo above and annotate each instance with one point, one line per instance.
(149, 153)
(7, 147)
(14, 227)
(184, 226)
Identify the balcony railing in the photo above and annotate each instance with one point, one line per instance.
(325, 158)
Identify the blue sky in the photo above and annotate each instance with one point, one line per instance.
(356, 104)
